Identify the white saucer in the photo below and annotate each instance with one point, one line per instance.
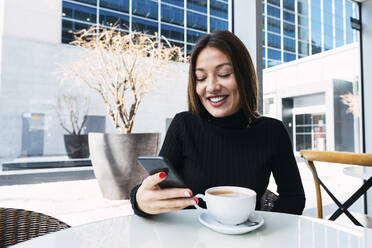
(209, 221)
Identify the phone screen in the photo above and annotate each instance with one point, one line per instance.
(156, 164)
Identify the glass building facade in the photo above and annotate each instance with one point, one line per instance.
(293, 29)
(182, 22)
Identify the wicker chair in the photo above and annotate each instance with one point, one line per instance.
(17, 225)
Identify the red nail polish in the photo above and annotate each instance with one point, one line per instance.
(162, 175)
(196, 200)
(190, 194)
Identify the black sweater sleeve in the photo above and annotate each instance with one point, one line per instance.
(287, 177)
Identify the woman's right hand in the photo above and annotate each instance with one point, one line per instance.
(152, 199)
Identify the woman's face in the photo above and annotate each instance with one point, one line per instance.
(215, 83)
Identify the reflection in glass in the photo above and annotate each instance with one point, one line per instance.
(110, 19)
(198, 5)
(273, 40)
(273, 25)
(273, 11)
(217, 24)
(120, 5)
(92, 2)
(218, 8)
(289, 57)
(172, 32)
(148, 27)
(78, 12)
(289, 29)
(289, 44)
(193, 36)
(175, 2)
(145, 8)
(196, 21)
(172, 14)
(289, 4)
(68, 27)
(274, 2)
(274, 54)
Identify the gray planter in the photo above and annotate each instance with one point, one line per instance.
(114, 160)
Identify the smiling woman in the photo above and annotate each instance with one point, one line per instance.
(222, 140)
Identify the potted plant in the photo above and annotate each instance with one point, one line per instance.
(73, 110)
(121, 68)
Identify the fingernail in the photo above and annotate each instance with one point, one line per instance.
(162, 175)
(196, 201)
(188, 194)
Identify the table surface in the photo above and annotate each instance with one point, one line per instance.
(358, 172)
(182, 229)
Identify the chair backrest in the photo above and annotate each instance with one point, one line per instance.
(17, 225)
(360, 159)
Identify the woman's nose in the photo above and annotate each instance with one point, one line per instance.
(212, 84)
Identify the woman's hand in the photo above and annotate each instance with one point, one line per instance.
(153, 200)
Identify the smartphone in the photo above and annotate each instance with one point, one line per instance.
(156, 164)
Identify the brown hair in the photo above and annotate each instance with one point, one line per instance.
(242, 64)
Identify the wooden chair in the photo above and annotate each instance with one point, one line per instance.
(17, 225)
(340, 158)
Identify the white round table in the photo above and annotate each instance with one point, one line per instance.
(182, 229)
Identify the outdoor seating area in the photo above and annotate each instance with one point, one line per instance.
(186, 123)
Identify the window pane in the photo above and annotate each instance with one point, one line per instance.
(193, 36)
(216, 24)
(79, 12)
(303, 48)
(302, 20)
(92, 2)
(172, 15)
(219, 9)
(273, 40)
(145, 8)
(289, 44)
(148, 27)
(274, 54)
(289, 57)
(274, 2)
(288, 16)
(175, 2)
(303, 33)
(196, 21)
(302, 7)
(273, 25)
(172, 32)
(289, 29)
(120, 5)
(289, 4)
(68, 27)
(108, 18)
(273, 11)
(198, 5)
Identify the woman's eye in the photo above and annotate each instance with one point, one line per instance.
(200, 79)
(225, 75)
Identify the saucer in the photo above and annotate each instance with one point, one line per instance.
(209, 221)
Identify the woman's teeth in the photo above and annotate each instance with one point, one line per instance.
(217, 99)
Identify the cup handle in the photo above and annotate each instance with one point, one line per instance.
(197, 206)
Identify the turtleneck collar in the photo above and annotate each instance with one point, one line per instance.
(234, 121)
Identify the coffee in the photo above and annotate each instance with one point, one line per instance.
(227, 193)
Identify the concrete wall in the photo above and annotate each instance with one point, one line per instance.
(38, 20)
(247, 25)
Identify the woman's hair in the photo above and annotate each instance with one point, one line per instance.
(243, 67)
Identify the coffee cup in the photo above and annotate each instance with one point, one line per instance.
(229, 205)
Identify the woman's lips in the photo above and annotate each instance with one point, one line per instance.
(217, 104)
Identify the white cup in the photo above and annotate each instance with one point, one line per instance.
(229, 205)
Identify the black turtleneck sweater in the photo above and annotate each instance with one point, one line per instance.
(228, 151)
